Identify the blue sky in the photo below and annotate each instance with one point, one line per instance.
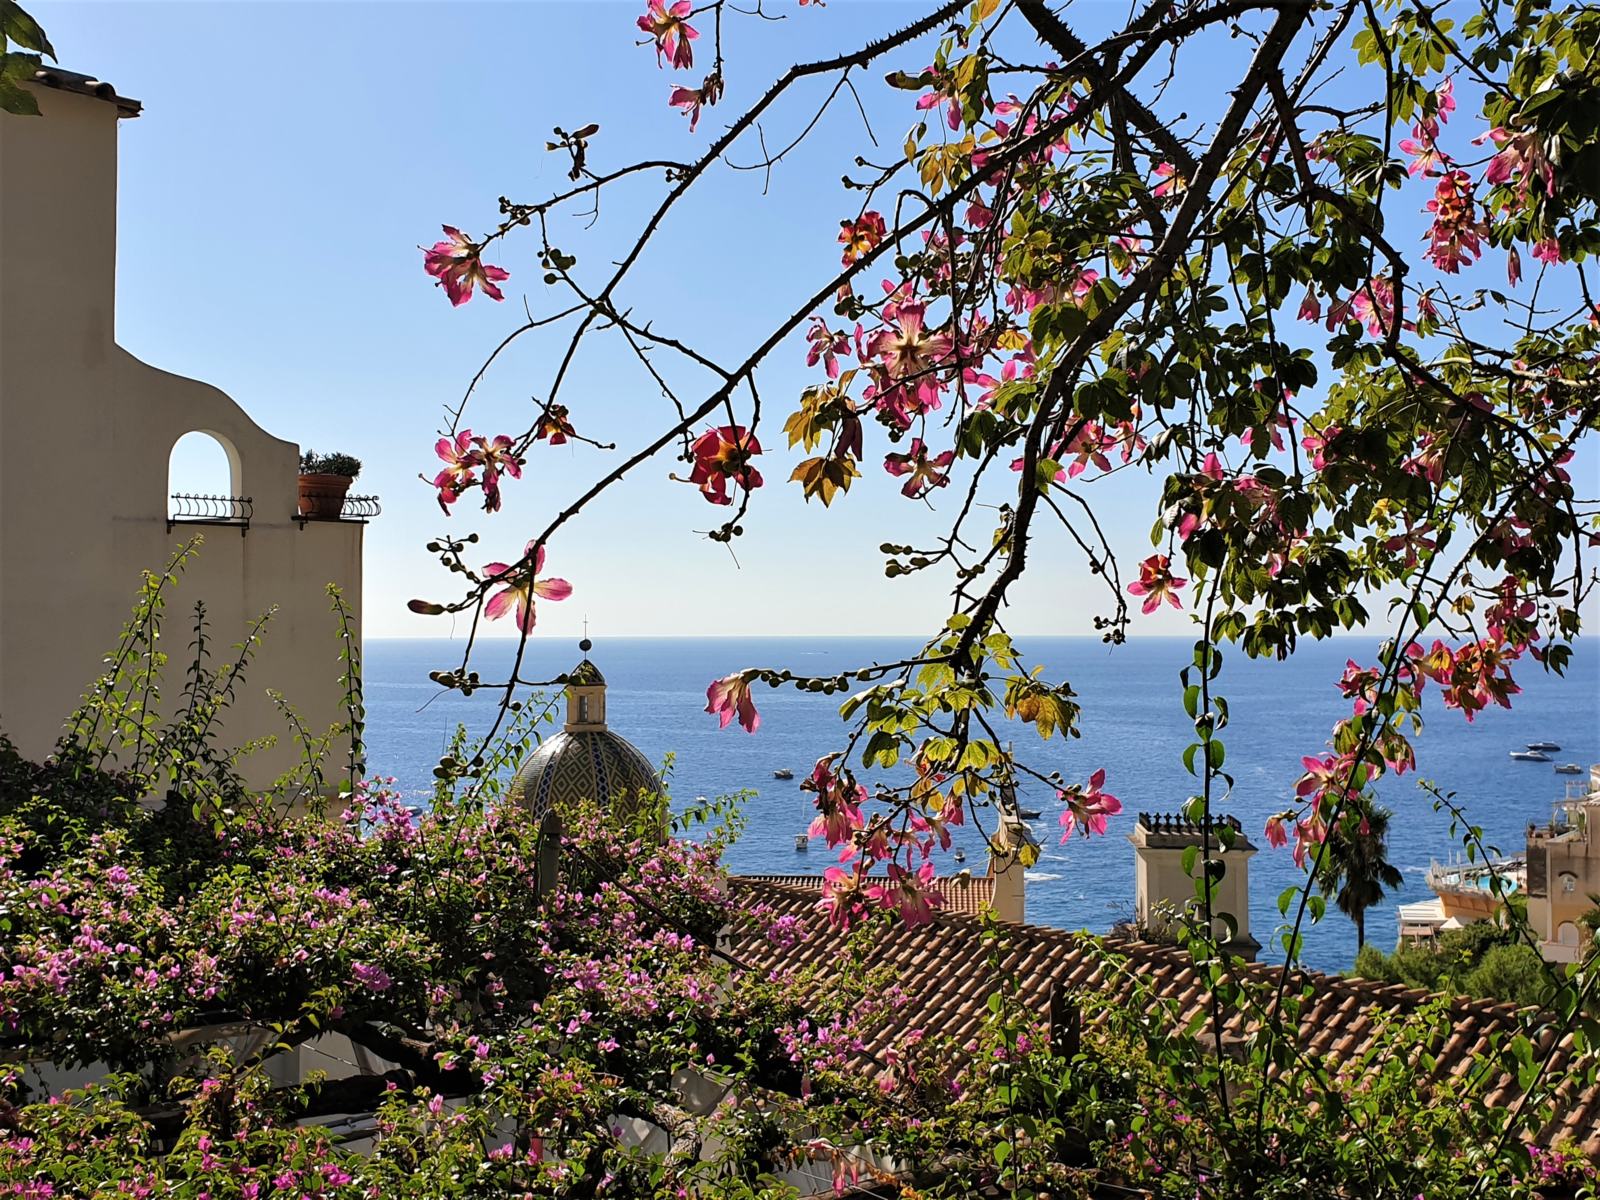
(292, 158)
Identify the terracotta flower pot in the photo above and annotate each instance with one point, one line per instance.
(322, 496)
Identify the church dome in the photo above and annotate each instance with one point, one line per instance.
(587, 760)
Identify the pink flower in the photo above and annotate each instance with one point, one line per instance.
(457, 267)
(1277, 836)
(1087, 808)
(670, 28)
(862, 235)
(1521, 160)
(729, 697)
(909, 348)
(460, 458)
(1171, 182)
(554, 426)
(720, 455)
(1316, 445)
(1156, 583)
(1359, 684)
(1547, 250)
(925, 473)
(838, 803)
(1453, 239)
(1310, 308)
(522, 585)
(912, 894)
(498, 459)
(826, 346)
(689, 100)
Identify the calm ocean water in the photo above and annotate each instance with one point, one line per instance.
(1133, 725)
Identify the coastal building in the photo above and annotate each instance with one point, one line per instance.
(86, 504)
(1563, 877)
(1164, 889)
(1464, 893)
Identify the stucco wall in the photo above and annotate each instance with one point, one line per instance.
(86, 433)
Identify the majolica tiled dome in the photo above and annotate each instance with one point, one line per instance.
(586, 760)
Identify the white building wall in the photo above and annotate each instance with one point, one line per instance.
(86, 433)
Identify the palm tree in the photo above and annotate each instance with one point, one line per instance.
(1356, 869)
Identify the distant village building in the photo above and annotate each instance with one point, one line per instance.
(1564, 870)
(88, 432)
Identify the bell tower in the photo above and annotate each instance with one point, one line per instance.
(586, 695)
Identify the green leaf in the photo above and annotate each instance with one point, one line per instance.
(17, 26)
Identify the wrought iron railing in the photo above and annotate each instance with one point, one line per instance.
(358, 509)
(195, 508)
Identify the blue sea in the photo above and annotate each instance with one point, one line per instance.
(1133, 725)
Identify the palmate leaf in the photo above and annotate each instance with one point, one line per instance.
(825, 477)
(17, 26)
(16, 69)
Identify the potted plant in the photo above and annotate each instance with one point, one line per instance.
(324, 480)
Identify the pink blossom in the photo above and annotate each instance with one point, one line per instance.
(689, 100)
(1171, 182)
(729, 697)
(1521, 160)
(1277, 836)
(458, 268)
(925, 473)
(721, 455)
(861, 236)
(909, 348)
(522, 586)
(1087, 808)
(460, 459)
(670, 28)
(1157, 583)
(1453, 239)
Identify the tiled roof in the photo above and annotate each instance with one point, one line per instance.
(963, 893)
(944, 967)
(87, 85)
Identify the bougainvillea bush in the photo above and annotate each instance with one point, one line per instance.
(164, 951)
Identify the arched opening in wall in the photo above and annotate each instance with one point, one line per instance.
(203, 480)
(1567, 935)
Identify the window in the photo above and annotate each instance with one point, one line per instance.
(201, 464)
(1569, 881)
(583, 709)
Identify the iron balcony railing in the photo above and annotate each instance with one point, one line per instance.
(195, 508)
(357, 509)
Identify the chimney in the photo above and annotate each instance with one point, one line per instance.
(1013, 842)
(58, 220)
(1162, 886)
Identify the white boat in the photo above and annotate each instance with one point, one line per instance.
(783, 773)
(1530, 756)
(802, 842)
(1569, 769)
(960, 856)
(1543, 746)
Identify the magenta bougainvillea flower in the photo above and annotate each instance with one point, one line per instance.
(456, 264)
(1157, 583)
(860, 236)
(522, 585)
(729, 697)
(1087, 808)
(669, 26)
(924, 473)
(721, 455)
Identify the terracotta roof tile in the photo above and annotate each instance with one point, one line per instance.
(948, 974)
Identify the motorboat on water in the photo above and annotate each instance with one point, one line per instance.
(960, 856)
(1028, 814)
(1569, 769)
(1543, 746)
(802, 842)
(1530, 756)
(783, 773)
